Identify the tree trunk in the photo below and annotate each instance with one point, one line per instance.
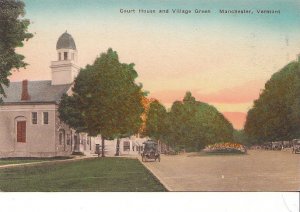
(102, 146)
(118, 147)
(158, 145)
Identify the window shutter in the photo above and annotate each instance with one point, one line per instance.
(24, 132)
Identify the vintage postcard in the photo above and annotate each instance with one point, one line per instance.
(149, 95)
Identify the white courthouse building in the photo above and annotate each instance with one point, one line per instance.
(29, 121)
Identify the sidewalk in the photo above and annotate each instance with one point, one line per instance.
(46, 162)
(91, 156)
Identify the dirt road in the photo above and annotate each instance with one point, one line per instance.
(257, 171)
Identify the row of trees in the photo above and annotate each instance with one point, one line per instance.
(189, 124)
(275, 116)
(276, 113)
(107, 101)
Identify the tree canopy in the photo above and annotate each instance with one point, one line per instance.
(13, 32)
(189, 124)
(106, 99)
(156, 121)
(239, 136)
(276, 113)
(194, 124)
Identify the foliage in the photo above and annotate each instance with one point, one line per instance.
(78, 153)
(106, 100)
(193, 124)
(156, 121)
(227, 147)
(13, 32)
(276, 113)
(241, 137)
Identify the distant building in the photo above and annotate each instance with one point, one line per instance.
(132, 146)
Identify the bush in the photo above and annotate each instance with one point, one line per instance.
(78, 153)
(227, 147)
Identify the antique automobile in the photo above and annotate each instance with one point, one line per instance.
(287, 144)
(276, 145)
(296, 146)
(267, 146)
(150, 151)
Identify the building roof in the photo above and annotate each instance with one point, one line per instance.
(65, 41)
(39, 92)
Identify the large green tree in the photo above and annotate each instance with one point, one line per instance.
(276, 113)
(106, 100)
(194, 124)
(156, 121)
(13, 32)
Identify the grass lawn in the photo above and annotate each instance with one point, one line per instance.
(108, 174)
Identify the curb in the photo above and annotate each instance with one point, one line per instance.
(158, 178)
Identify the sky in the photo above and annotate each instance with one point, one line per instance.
(223, 59)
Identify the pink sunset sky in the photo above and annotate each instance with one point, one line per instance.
(223, 60)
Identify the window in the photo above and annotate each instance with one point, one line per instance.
(59, 56)
(34, 117)
(45, 118)
(126, 146)
(21, 131)
(90, 143)
(68, 139)
(65, 55)
(61, 137)
(76, 139)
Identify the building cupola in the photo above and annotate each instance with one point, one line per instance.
(66, 47)
(65, 41)
(64, 70)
